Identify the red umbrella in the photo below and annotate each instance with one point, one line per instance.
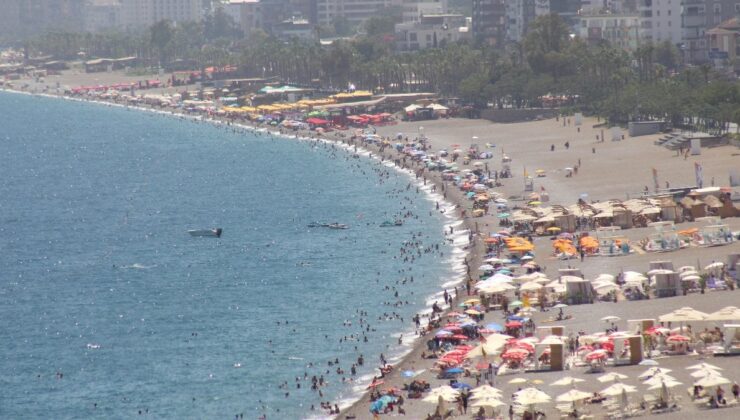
(596, 355)
(521, 345)
(678, 339)
(513, 324)
(515, 354)
(453, 313)
(585, 348)
(460, 337)
(482, 365)
(454, 329)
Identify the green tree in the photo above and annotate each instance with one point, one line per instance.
(545, 45)
(161, 34)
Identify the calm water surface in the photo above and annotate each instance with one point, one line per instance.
(102, 284)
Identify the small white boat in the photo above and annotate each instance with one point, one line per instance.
(212, 233)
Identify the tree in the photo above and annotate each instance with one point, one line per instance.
(161, 34)
(377, 26)
(476, 89)
(545, 45)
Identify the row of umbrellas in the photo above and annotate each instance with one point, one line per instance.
(655, 378)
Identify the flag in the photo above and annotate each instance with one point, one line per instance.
(699, 173)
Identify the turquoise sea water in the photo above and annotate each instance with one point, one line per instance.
(102, 284)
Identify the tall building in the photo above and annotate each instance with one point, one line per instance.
(489, 22)
(23, 18)
(698, 16)
(620, 30)
(247, 14)
(103, 15)
(660, 20)
(138, 14)
(355, 11)
(520, 14)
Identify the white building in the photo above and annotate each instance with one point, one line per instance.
(520, 14)
(103, 15)
(412, 10)
(431, 31)
(621, 31)
(660, 20)
(144, 13)
(355, 11)
(247, 14)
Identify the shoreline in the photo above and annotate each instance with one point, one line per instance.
(448, 206)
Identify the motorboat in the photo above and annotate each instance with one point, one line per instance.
(337, 226)
(211, 233)
(388, 223)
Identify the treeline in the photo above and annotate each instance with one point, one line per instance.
(597, 79)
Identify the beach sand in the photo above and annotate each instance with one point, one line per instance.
(618, 169)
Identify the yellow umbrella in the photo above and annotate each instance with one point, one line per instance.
(553, 229)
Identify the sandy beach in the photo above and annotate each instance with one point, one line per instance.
(607, 170)
(618, 169)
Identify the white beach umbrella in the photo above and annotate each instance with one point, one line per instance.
(703, 373)
(497, 288)
(604, 287)
(447, 393)
(688, 273)
(728, 313)
(518, 381)
(610, 318)
(553, 339)
(560, 305)
(486, 267)
(567, 381)
(659, 271)
(712, 381)
(531, 396)
(691, 278)
(686, 268)
(492, 347)
(489, 402)
(573, 395)
(618, 389)
(611, 377)
(485, 391)
(703, 365)
(653, 371)
(531, 286)
(714, 266)
(657, 379)
(667, 384)
(605, 277)
(685, 314)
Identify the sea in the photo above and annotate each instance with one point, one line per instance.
(110, 309)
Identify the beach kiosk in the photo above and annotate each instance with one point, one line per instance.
(639, 326)
(628, 350)
(543, 332)
(731, 344)
(549, 357)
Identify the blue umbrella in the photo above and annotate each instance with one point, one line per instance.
(515, 318)
(461, 385)
(454, 370)
(408, 373)
(377, 406)
(495, 327)
(387, 399)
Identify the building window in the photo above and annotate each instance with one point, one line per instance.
(717, 9)
(737, 7)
